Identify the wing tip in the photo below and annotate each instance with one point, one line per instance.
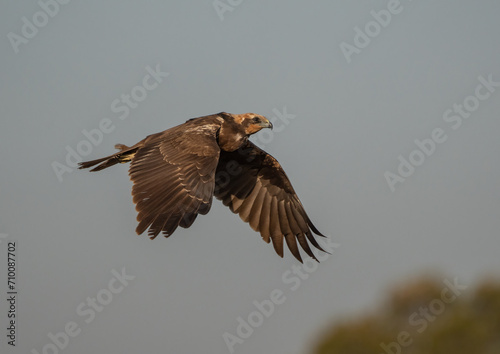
(313, 228)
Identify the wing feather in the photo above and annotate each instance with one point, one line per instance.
(257, 207)
(274, 229)
(265, 219)
(298, 232)
(248, 203)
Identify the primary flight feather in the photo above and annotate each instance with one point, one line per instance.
(176, 173)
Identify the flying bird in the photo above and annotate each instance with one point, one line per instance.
(176, 173)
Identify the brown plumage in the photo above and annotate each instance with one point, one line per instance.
(176, 173)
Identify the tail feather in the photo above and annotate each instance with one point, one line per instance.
(125, 155)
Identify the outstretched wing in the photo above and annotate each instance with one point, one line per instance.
(173, 174)
(252, 183)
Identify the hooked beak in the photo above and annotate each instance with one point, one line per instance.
(267, 124)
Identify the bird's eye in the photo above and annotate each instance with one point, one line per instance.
(256, 120)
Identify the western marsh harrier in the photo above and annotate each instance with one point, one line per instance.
(176, 173)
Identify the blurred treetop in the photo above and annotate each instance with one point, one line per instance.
(427, 316)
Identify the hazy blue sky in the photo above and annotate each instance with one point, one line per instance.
(357, 94)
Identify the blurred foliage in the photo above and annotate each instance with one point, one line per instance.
(427, 316)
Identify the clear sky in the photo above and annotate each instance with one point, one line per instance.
(387, 125)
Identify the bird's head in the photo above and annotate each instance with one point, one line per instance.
(252, 123)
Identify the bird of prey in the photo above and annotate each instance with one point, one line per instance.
(175, 174)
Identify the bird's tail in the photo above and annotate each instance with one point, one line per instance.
(124, 155)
